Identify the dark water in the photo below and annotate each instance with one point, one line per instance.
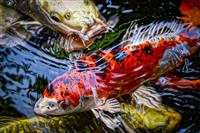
(25, 69)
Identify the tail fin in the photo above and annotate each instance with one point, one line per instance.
(146, 96)
(190, 9)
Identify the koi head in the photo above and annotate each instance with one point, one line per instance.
(64, 95)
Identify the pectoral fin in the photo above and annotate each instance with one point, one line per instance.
(146, 96)
(110, 105)
(112, 122)
(107, 112)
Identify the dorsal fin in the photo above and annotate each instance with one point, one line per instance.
(137, 35)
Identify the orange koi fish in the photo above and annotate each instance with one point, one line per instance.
(190, 9)
(144, 53)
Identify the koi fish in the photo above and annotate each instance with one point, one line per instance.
(144, 53)
(79, 21)
(190, 10)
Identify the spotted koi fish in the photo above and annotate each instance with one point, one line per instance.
(144, 53)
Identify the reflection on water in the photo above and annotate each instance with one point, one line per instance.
(26, 69)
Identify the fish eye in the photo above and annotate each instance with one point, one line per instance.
(67, 15)
(55, 16)
(52, 105)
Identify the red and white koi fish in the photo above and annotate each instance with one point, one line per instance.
(144, 53)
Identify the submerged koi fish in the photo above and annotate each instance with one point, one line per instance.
(190, 9)
(79, 21)
(144, 53)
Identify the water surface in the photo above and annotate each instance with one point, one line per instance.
(26, 66)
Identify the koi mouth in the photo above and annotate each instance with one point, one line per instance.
(46, 106)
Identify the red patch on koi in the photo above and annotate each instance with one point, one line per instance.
(71, 90)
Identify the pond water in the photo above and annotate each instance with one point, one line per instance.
(26, 67)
